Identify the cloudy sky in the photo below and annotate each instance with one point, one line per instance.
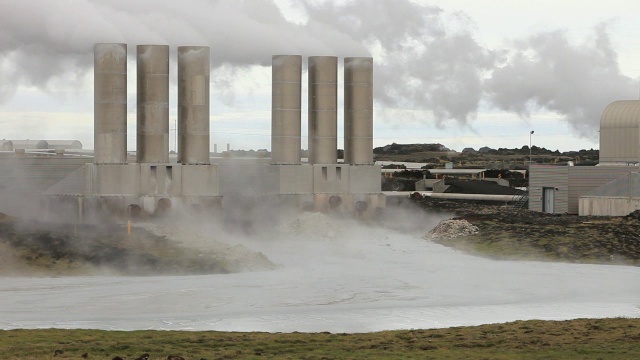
(463, 73)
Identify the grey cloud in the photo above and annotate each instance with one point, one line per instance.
(425, 58)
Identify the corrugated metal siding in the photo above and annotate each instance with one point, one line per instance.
(627, 185)
(541, 176)
(583, 179)
(36, 174)
(73, 184)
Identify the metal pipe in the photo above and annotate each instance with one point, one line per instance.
(486, 197)
(323, 107)
(110, 103)
(286, 109)
(193, 104)
(452, 196)
(358, 110)
(153, 104)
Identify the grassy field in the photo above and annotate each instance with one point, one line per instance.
(575, 339)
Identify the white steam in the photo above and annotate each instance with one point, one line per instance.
(547, 71)
(426, 59)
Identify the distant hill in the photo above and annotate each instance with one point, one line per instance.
(403, 149)
(438, 154)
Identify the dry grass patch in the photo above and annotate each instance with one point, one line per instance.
(575, 339)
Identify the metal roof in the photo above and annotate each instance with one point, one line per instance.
(40, 144)
(620, 132)
(621, 113)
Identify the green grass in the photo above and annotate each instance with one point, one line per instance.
(576, 339)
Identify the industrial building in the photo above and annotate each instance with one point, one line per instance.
(29, 144)
(113, 184)
(608, 189)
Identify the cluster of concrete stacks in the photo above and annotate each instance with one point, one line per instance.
(324, 183)
(152, 183)
(323, 107)
(110, 104)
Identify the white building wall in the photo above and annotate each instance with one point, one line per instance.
(608, 206)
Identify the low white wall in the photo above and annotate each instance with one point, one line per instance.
(607, 206)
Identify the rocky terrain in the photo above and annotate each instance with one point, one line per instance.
(491, 229)
(497, 230)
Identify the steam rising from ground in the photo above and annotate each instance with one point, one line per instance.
(426, 58)
(336, 275)
(290, 236)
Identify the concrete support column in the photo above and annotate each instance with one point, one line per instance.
(286, 109)
(323, 110)
(358, 110)
(153, 104)
(193, 104)
(110, 104)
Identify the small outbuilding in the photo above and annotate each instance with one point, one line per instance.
(611, 188)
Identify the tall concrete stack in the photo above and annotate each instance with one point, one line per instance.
(193, 104)
(110, 103)
(358, 110)
(322, 108)
(286, 109)
(153, 104)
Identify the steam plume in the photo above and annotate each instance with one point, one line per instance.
(426, 59)
(547, 71)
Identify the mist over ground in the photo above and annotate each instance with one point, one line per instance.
(332, 274)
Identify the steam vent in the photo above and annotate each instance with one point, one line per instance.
(154, 184)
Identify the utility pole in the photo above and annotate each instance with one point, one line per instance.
(530, 134)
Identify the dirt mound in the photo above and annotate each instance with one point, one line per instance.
(634, 215)
(450, 229)
(212, 244)
(55, 250)
(6, 218)
(312, 223)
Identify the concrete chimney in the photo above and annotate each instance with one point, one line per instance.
(358, 110)
(153, 104)
(193, 104)
(323, 109)
(110, 103)
(286, 109)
